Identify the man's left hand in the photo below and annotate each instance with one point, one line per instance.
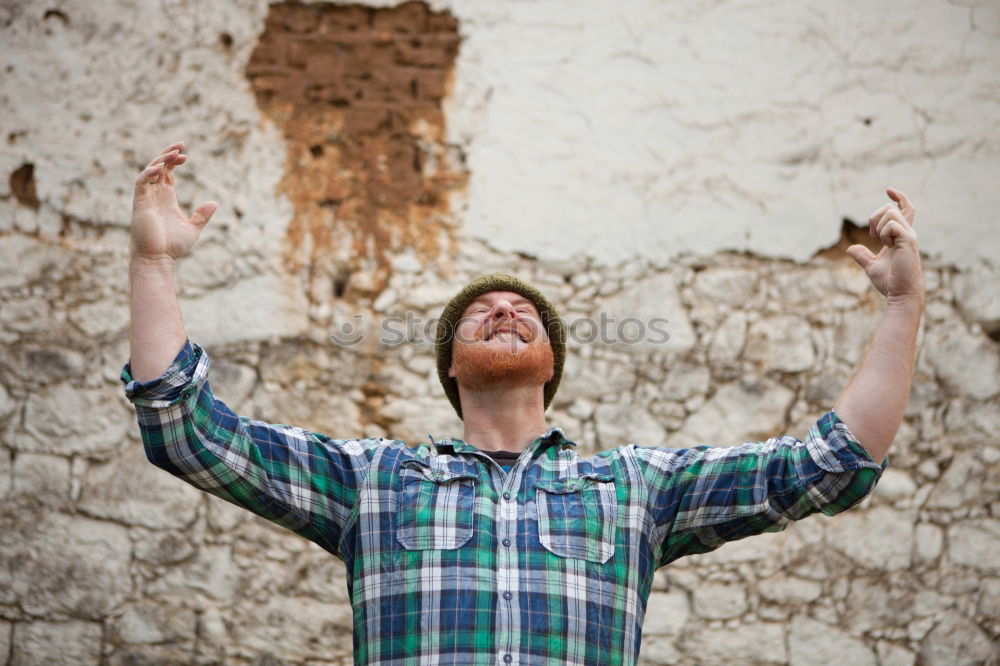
(895, 270)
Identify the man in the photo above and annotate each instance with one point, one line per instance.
(504, 547)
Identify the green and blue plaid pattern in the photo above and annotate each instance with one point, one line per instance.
(452, 561)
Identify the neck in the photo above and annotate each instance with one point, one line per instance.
(503, 419)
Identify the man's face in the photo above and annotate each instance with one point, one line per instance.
(500, 340)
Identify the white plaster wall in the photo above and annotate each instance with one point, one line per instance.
(650, 129)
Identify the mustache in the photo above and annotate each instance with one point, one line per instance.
(522, 330)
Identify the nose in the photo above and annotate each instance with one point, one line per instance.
(503, 309)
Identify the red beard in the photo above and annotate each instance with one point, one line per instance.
(480, 366)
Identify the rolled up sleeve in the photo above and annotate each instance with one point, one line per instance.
(176, 380)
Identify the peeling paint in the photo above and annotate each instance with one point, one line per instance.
(357, 92)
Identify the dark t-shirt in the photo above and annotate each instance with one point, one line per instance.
(505, 459)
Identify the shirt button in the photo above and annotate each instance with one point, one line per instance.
(508, 596)
(506, 542)
(506, 496)
(507, 659)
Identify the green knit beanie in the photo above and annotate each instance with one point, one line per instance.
(453, 313)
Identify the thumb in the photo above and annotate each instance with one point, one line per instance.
(203, 213)
(861, 254)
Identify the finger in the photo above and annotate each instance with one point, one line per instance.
(165, 157)
(203, 213)
(892, 232)
(905, 206)
(875, 217)
(861, 254)
(891, 214)
(171, 165)
(178, 146)
(150, 175)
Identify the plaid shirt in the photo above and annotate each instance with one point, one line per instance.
(452, 561)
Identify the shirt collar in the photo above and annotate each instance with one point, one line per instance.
(553, 436)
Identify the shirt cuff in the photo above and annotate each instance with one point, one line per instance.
(834, 449)
(179, 380)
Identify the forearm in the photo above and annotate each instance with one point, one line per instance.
(873, 403)
(156, 330)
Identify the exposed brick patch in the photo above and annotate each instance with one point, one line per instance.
(357, 92)
(850, 234)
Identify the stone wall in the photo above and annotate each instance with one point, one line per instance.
(526, 137)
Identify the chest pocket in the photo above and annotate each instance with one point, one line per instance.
(577, 517)
(435, 508)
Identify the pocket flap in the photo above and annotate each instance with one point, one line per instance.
(575, 484)
(416, 468)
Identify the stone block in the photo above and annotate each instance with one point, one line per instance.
(223, 516)
(415, 417)
(148, 622)
(666, 613)
(725, 286)
(972, 423)
(56, 643)
(685, 380)
(7, 403)
(130, 490)
(976, 295)
(738, 412)
(789, 590)
(43, 478)
(657, 650)
(101, 318)
(256, 308)
(64, 565)
(29, 316)
(754, 644)
(70, 419)
(588, 378)
(782, 342)
(336, 416)
(957, 640)
(879, 538)
(25, 259)
(211, 572)
(874, 605)
(960, 485)
(928, 540)
(812, 642)
(619, 424)
(720, 601)
(967, 362)
(6, 466)
(976, 543)
(647, 315)
(161, 548)
(895, 485)
(890, 654)
(45, 363)
(729, 339)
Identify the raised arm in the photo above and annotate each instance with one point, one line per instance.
(302, 480)
(161, 234)
(872, 405)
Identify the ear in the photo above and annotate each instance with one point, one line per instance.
(451, 371)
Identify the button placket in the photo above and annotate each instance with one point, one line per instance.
(507, 559)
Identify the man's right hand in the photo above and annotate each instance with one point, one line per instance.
(161, 233)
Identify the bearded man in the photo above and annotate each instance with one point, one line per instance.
(505, 546)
